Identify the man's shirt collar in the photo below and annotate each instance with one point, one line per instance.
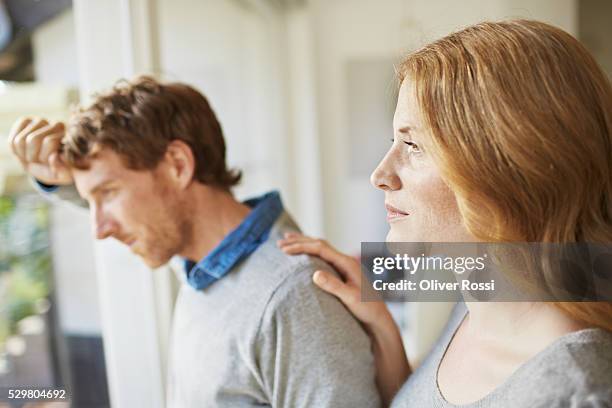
(238, 244)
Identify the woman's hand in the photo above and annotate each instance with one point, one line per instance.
(391, 363)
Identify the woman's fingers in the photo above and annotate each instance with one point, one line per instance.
(345, 265)
(334, 286)
(308, 245)
(349, 293)
(301, 247)
(294, 237)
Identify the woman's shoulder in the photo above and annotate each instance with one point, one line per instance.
(579, 367)
(588, 351)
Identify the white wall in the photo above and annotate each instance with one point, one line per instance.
(596, 31)
(345, 31)
(55, 53)
(562, 13)
(234, 54)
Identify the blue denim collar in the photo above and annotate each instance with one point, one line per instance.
(238, 244)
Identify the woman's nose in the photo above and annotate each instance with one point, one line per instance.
(384, 175)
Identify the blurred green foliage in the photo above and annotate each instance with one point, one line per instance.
(25, 260)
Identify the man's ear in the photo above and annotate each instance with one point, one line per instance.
(181, 162)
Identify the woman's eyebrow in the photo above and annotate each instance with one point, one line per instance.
(406, 129)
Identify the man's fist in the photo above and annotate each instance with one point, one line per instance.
(36, 143)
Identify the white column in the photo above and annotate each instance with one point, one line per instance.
(116, 39)
(304, 143)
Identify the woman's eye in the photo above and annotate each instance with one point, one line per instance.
(413, 147)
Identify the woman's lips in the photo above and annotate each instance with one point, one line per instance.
(394, 213)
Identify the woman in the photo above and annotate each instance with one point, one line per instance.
(502, 133)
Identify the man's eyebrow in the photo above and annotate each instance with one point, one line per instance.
(100, 186)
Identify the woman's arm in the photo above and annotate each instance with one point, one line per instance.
(392, 368)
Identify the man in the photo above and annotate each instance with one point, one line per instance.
(249, 326)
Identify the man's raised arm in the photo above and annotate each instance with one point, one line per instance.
(37, 143)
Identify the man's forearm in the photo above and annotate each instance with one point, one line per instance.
(66, 193)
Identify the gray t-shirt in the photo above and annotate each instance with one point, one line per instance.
(574, 371)
(265, 335)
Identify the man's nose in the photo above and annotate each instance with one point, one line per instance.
(104, 226)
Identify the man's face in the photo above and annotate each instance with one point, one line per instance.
(141, 209)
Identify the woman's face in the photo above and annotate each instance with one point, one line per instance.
(420, 205)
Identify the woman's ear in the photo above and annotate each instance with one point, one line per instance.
(181, 163)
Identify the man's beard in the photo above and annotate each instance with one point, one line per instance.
(171, 237)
